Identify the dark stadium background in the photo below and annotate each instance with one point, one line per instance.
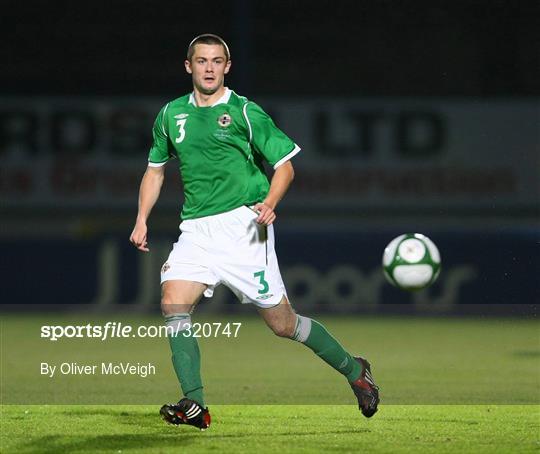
(414, 117)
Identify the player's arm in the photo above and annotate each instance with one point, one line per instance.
(279, 184)
(278, 149)
(151, 183)
(152, 179)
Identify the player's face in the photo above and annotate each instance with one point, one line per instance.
(208, 67)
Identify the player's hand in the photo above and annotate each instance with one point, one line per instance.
(266, 214)
(138, 237)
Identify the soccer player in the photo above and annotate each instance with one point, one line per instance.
(221, 140)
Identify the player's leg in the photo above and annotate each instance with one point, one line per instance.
(284, 322)
(178, 300)
(185, 277)
(249, 267)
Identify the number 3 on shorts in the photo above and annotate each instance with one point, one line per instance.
(262, 281)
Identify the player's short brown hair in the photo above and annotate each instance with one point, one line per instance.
(207, 38)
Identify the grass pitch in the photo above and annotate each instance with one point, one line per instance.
(274, 428)
(447, 385)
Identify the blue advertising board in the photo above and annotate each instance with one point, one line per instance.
(325, 271)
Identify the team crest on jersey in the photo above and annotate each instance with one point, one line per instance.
(165, 267)
(224, 120)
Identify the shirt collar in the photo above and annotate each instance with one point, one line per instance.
(223, 100)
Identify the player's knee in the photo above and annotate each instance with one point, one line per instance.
(167, 305)
(171, 305)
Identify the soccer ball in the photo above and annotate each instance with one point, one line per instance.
(411, 261)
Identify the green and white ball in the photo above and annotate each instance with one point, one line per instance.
(411, 261)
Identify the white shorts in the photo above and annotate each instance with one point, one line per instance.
(231, 249)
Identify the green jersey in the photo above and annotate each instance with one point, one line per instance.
(220, 150)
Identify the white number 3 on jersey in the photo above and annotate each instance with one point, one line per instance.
(181, 123)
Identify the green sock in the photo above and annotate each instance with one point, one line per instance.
(315, 336)
(186, 357)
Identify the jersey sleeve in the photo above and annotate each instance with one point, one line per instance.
(160, 151)
(270, 141)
